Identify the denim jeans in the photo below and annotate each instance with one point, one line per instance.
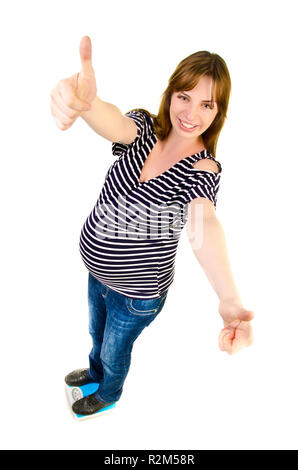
(115, 322)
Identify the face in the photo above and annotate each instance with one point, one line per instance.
(193, 107)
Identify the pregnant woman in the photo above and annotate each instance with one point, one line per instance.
(165, 174)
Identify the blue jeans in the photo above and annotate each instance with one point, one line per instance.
(115, 322)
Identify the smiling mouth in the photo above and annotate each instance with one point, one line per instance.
(186, 127)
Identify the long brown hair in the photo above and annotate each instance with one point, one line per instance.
(185, 77)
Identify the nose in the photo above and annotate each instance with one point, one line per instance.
(192, 115)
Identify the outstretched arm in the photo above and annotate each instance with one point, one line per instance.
(208, 243)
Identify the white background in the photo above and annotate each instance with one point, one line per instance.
(182, 392)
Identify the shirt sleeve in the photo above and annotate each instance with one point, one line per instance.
(205, 184)
(140, 119)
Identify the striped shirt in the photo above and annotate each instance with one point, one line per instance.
(129, 241)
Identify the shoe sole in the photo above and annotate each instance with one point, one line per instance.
(76, 393)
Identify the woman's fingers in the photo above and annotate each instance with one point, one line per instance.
(65, 107)
(63, 116)
(225, 339)
(74, 95)
(66, 92)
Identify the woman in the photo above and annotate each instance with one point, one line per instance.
(166, 165)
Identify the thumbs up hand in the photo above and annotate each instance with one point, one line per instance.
(74, 95)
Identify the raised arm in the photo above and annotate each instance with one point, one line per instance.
(108, 121)
(76, 96)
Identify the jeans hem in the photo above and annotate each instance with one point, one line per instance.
(91, 377)
(103, 401)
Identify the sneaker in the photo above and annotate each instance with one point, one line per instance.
(89, 405)
(78, 377)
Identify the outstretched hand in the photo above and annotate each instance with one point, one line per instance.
(74, 95)
(237, 332)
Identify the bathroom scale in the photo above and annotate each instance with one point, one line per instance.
(76, 393)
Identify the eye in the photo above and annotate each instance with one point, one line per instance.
(185, 98)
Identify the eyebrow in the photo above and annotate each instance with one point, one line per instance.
(203, 101)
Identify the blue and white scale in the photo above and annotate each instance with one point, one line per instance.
(76, 393)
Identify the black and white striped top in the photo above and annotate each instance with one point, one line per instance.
(129, 241)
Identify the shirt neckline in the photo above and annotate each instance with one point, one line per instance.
(141, 183)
